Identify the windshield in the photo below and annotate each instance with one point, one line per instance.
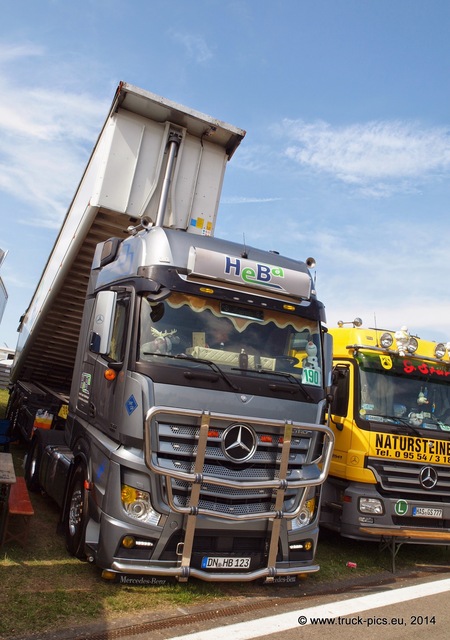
(408, 392)
(237, 339)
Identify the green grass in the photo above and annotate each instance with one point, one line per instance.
(44, 589)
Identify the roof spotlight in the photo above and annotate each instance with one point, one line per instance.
(386, 340)
(439, 350)
(412, 345)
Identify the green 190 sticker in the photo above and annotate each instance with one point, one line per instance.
(311, 376)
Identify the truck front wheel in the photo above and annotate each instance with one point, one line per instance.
(77, 513)
(32, 462)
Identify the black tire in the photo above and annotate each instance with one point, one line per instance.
(41, 439)
(76, 516)
(32, 464)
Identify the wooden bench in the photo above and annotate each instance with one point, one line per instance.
(18, 515)
(393, 539)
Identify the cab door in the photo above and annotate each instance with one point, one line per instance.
(110, 341)
(341, 417)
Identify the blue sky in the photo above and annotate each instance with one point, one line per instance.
(347, 152)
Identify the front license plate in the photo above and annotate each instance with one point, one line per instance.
(427, 512)
(214, 562)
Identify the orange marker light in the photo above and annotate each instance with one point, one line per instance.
(110, 374)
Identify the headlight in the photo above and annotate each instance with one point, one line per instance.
(386, 340)
(305, 516)
(439, 350)
(371, 505)
(137, 505)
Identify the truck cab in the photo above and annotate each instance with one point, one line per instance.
(391, 419)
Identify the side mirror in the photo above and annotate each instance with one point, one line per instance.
(328, 359)
(341, 395)
(103, 320)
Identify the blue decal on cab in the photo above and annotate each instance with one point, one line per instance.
(131, 404)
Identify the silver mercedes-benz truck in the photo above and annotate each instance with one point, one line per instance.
(172, 387)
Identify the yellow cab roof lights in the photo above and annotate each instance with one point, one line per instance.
(400, 342)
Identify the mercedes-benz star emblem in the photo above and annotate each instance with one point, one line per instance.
(239, 442)
(428, 477)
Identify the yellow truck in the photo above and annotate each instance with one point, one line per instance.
(389, 478)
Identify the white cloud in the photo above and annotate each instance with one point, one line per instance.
(391, 280)
(195, 46)
(50, 115)
(256, 158)
(47, 134)
(42, 175)
(10, 52)
(379, 157)
(392, 272)
(247, 200)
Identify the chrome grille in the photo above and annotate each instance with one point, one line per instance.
(403, 478)
(175, 448)
(249, 473)
(237, 508)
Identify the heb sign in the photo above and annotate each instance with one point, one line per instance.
(242, 271)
